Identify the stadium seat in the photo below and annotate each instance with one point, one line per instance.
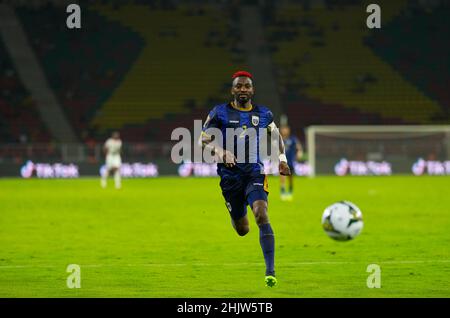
(19, 118)
(328, 61)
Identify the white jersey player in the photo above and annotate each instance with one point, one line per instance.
(112, 148)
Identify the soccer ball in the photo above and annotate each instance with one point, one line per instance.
(342, 221)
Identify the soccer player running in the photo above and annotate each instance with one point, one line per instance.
(112, 149)
(244, 183)
(294, 152)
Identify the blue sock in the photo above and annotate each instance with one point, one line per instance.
(267, 241)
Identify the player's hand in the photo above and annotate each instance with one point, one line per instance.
(229, 159)
(284, 169)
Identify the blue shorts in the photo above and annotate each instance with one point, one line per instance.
(240, 191)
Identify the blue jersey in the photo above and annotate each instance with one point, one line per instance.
(290, 145)
(224, 116)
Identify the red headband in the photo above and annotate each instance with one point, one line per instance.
(242, 73)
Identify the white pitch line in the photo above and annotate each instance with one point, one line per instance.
(228, 264)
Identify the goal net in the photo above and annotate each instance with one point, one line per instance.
(378, 150)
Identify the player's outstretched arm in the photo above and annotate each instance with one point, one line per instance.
(222, 155)
(283, 166)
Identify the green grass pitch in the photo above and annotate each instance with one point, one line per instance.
(172, 237)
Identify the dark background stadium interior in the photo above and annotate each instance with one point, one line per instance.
(146, 67)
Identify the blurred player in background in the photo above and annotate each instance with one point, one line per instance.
(112, 149)
(244, 183)
(294, 152)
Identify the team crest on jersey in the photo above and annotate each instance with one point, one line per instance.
(255, 120)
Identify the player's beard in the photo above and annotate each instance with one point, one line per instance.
(242, 99)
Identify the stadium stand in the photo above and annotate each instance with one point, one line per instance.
(327, 73)
(183, 63)
(414, 45)
(20, 121)
(130, 74)
(146, 67)
(83, 66)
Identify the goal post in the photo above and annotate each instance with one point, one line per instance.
(380, 149)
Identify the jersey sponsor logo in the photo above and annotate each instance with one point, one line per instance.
(258, 184)
(234, 121)
(255, 120)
